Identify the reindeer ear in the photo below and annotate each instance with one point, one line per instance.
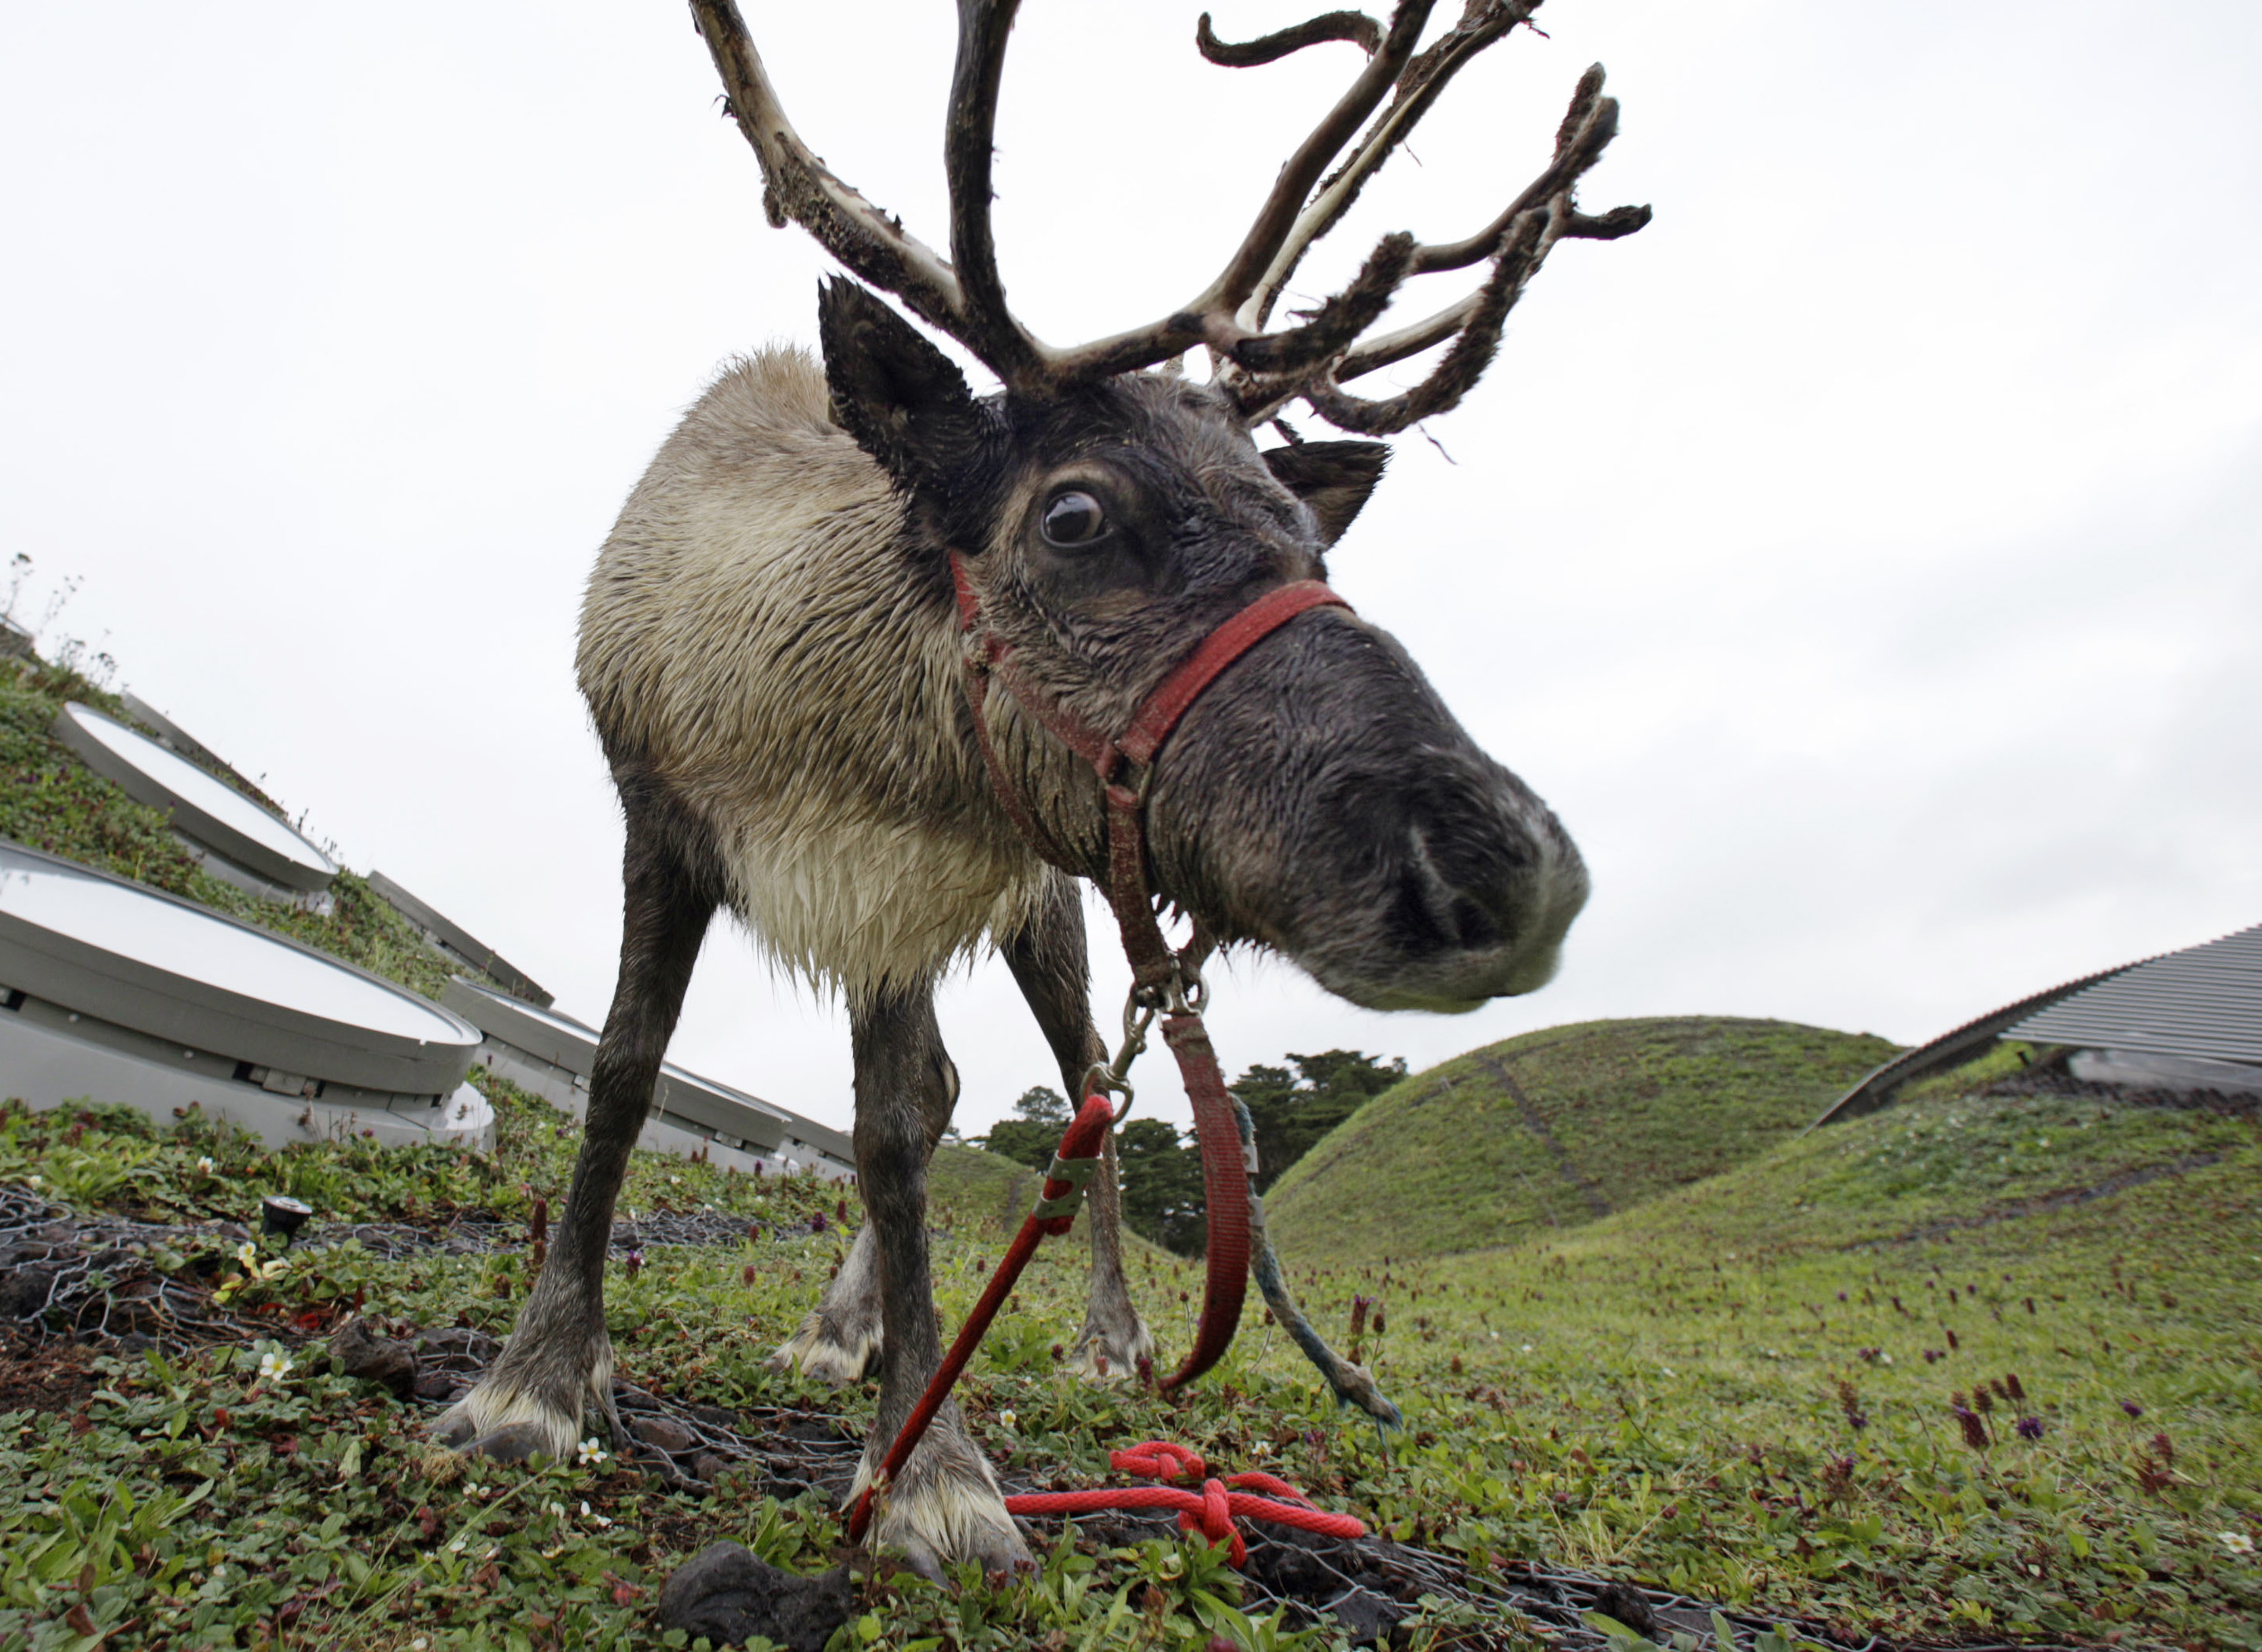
(903, 400)
(1333, 478)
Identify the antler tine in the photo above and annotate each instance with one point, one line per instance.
(1335, 325)
(992, 333)
(1587, 127)
(797, 187)
(1423, 79)
(1354, 26)
(1283, 208)
(1474, 321)
(1521, 251)
(1209, 319)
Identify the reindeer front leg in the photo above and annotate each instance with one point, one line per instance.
(1050, 965)
(559, 1357)
(944, 1507)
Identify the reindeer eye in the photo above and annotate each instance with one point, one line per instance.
(1073, 519)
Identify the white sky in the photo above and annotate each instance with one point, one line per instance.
(1862, 560)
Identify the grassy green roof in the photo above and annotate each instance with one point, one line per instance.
(1556, 1128)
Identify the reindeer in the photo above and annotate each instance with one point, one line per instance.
(773, 654)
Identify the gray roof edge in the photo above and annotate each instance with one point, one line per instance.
(500, 1016)
(2184, 1002)
(1876, 1089)
(474, 951)
(179, 738)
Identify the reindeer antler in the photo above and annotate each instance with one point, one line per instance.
(965, 297)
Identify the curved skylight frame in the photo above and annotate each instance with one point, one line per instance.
(397, 1043)
(207, 810)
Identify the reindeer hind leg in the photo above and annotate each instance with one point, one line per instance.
(560, 1358)
(1050, 965)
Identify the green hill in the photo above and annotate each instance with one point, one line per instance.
(1982, 1365)
(1555, 1128)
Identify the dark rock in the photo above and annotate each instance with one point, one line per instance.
(458, 1340)
(134, 1342)
(385, 1360)
(516, 1442)
(1628, 1604)
(24, 1292)
(664, 1432)
(714, 1417)
(1368, 1616)
(812, 1431)
(709, 1467)
(133, 1315)
(725, 1594)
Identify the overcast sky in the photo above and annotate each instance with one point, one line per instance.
(1862, 560)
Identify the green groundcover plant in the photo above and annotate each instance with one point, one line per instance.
(1980, 1368)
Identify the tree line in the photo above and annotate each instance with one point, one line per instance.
(1292, 1107)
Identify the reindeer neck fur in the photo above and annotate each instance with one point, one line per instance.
(769, 640)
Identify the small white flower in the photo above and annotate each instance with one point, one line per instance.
(594, 1517)
(1887, 1358)
(1006, 1419)
(676, 1181)
(1527, 1347)
(1667, 1369)
(420, 1644)
(1261, 1448)
(2237, 1542)
(248, 1254)
(33, 1181)
(273, 1367)
(557, 1509)
(456, 1544)
(205, 1165)
(590, 1454)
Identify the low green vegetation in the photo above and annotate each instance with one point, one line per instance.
(1981, 1367)
(51, 801)
(1553, 1130)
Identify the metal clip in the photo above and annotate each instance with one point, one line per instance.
(1077, 1172)
(1115, 1078)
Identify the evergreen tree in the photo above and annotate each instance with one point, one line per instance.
(1291, 1111)
(1032, 1135)
(1161, 1185)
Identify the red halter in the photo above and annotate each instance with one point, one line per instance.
(1154, 967)
(986, 656)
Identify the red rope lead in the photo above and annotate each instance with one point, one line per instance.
(1210, 1511)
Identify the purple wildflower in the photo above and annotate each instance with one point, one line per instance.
(2132, 1408)
(2030, 1428)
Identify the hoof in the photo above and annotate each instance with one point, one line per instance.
(725, 1594)
(829, 1353)
(514, 1442)
(946, 1510)
(1113, 1355)
(508, 1427)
